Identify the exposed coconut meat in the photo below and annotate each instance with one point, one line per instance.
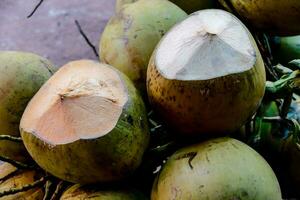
(83, 100)
(208, 44)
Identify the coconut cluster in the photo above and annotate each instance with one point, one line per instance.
(83, 131)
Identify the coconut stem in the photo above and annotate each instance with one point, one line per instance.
(48, 188)
(265, 49)
(8, 176)
(35, 8)
(61, 186)
(27, 187)
(10, 138)
(17, 164)
(86, 38)
(284, 87)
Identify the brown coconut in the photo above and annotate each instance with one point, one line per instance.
(206, 75)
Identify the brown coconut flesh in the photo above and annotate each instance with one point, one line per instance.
(83, 100)
(211, 48)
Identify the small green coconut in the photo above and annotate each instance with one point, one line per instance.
(86, 124)
(94, 192)
(279, 17)
(189, 6)
(131, 35)
(287, 49)
(222, 168)
(21, 76)
(202, 80)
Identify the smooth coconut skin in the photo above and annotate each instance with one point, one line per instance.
(216, 106)
(18, 180)
(131, 35)
(121, 3)
(78, 192)
(109, 157)
(280, 17)
(21, 75)
(287, 49)
(189, 6)
(222, 168)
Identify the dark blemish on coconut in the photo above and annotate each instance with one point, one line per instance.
(162, 32)
(135, 36)
(129, 119)
(207, 159)
(190, 156)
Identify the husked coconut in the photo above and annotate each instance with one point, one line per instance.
(86, 124)
(206, 75)
(95, 192)
(279, 17)
(21, 76)
(222, 168)
(131, 35)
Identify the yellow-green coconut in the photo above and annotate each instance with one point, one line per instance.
(131, 35)
(222, 168)
(86, 124)
(206, 76)
(21, 76)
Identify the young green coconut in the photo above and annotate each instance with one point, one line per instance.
(206, 75)
(189, 6)
(21, 75)
(94, 192)
(86, 124)
(280, 17)
(222, 168)
(132, 34)
(287, 49)
(12, 179)
(121, 3)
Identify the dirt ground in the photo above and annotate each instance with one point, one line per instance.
(51, 31)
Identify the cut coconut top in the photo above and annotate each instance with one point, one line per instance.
(208, 44)
(83, 100)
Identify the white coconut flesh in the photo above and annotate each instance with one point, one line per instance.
(208, 44)
(83, 100)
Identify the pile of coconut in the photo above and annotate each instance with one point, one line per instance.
(185, 103)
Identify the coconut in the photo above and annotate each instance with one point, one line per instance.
(19, 180)
(86, 124)
(280, 17)
(131, 35)
(222, 168)
(202, 79)
(287, 49)
(21, 75)
(121, 3)
(188, 6)
(99, 192)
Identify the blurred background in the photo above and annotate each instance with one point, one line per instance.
(51, 32)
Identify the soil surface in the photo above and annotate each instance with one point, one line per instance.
(51, 32)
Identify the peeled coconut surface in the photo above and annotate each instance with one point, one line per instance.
(206, 74)
(130, 36)
(279, 17)
(94, 192)
(21, 76)
(91, 119)
(222, 168)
